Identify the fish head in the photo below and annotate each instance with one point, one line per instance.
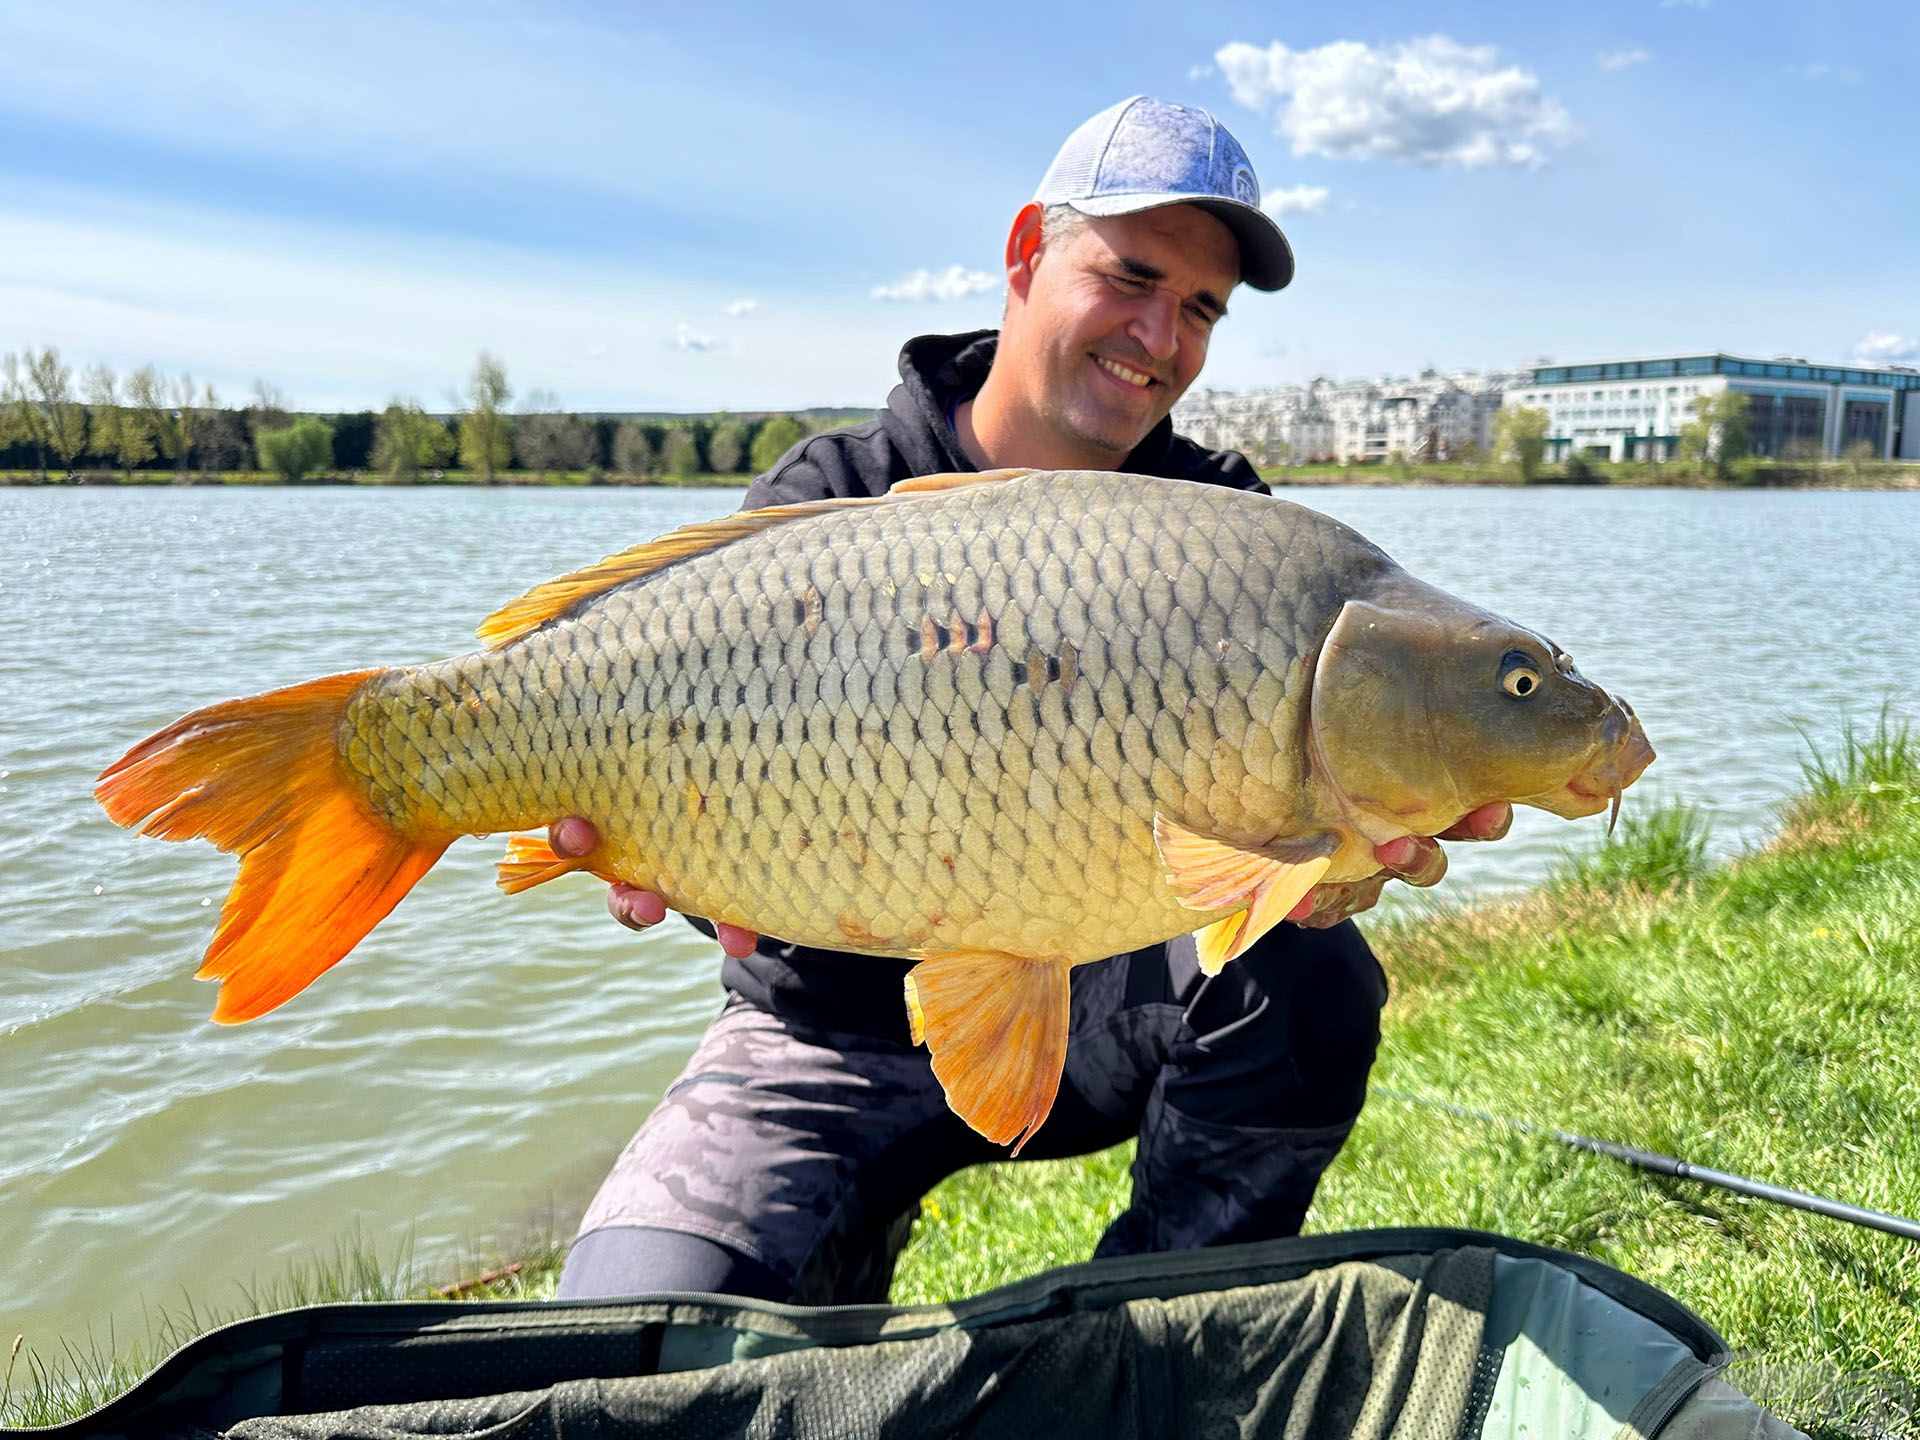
(1425, 708)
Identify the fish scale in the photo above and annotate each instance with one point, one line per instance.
(1002, 724)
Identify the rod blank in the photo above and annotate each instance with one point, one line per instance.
(1681, 1169)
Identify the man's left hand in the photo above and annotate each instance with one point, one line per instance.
(1415, 859)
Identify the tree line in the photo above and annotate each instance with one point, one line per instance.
(147, 421)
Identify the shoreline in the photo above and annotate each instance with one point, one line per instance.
(1837, 475)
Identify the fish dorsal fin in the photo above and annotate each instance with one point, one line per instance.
(958, 480)
(554, 598)
(1259, 883)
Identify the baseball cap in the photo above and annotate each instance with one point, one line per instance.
(1144, 153)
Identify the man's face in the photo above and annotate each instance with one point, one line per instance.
(1114, 323)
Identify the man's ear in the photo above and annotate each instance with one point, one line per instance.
(1023, 247)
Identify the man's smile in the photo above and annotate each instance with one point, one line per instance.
(1126, 375)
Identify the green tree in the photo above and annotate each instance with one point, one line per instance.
(302, 449)
(20, 419)
(681, 453)
(632, 449)
(727, 450)
(1720, 432)
(486, 434)
(776, 437)
(66, 417)
(147, 398)
(1520, 435)
(547, 438)
(407, 440)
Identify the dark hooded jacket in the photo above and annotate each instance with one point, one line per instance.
(913, 436)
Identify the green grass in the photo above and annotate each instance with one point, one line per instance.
(1755, 1017)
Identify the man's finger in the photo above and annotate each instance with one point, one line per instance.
(1490, 822)
(635, 908)
(572, 837)
(1414, 859)
(735, 941)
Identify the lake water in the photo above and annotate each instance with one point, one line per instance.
(472, 1069)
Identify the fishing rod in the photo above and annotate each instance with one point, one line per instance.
(1681, 1169)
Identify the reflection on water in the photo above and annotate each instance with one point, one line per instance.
(478, 1060)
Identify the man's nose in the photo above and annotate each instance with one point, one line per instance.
(1156, 326)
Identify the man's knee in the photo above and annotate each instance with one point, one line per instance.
(645, 1260)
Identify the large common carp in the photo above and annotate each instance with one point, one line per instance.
(1003, 724)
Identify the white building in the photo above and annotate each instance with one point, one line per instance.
(1633, 409)
(1430, 416)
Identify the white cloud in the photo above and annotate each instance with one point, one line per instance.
(1431, 101)
(1297, 200)
(685, 337)
(1621, 59)
(953, 283)
(734, 309)
(1199, 72)
(1883, 347)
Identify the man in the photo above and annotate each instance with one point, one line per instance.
(788, 1160)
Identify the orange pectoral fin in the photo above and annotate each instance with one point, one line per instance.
(1261, 883)
(530, 861)
(996, 1026)
(261, 778)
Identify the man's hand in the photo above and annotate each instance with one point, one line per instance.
(1415, 859)
(629, 904)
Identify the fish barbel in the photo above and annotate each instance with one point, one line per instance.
(1002, 724)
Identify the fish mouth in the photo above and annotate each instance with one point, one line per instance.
(1621, 757)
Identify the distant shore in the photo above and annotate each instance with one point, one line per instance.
(1745, 475)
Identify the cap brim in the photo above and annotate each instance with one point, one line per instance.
(1266, 259)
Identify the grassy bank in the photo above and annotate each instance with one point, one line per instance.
(1633, 474)
(1755, 1017)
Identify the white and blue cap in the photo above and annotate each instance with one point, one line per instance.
(1144, 153)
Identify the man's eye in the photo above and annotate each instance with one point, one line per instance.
(1131, 282)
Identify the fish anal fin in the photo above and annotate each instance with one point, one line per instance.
(530, 861)
(1260, 883)
(261, 778)
(955, 480)
(555, 598)
(996, 1027)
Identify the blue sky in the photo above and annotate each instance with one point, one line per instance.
(692, 208)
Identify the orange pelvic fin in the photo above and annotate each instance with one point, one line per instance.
(261, 778)
(996, 1025)
(1260, 883)
(530, 861)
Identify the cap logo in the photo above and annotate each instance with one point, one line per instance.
(1245, 189)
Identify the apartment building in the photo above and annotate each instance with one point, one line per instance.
(1431, 416)
(1634, 409)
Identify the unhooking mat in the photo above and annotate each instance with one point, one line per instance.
(1379, 1335)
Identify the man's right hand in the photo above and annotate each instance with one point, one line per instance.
(629, 904)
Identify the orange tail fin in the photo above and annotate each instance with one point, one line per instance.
(261, 778)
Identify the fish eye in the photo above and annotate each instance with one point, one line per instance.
(1519, 676)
